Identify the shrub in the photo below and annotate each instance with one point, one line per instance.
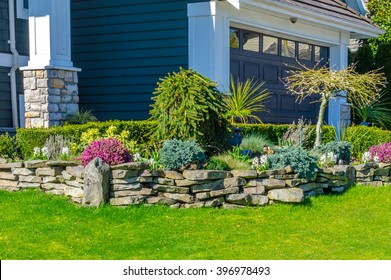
(28, 139)
(217, 164)
(110, 150)
(189, 106)
(298, 135)
(381, 153)
(58, 147)
(339, 148)
(7, 146)
(255, 143)
(81, 117)
(178, 155)
(233, 163)
(303, 164)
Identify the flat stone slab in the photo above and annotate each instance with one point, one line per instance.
(248, 174)
(8, 184)
(8, 176)
(291, 195)
(49, 171)
(186, 198)
(131, 166)
(133, 186)
(124, 173)
(259, 200)
(161, 200)
(35, 163)
(10, 165)
(52, 186)
(173, 175)
(23, 171)
(239, 198)
(62, 163)
(211, 186)
(224, 192)
(271, 184)
(197, 175)
(77, 171)
(171, 189)
(129, 200)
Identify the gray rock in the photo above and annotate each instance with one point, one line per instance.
(365, 173)
(211, 186)
(132, 180)
(287, 195)
(151, 173)
(382, 178)
(49, 179)
(275, 172)
(217, 202)
(259, 200)
(131, 166)
(35, 163)
(124, 174)
(365, 166)
(371, 184)
(314, 192)
(194, 205)
(52, 186)
(62, 163)
(295, 182)
(26, 185)
(48, 171)
(308, 187)
(271, 184)
(11, 165)
(10, 189)
(239, 198)
(188, 183)
(203, 195)
(161, 200)
(6, 183)
(67, 176)
(23, 171)
(284, 177)
(224, 192)
(289, 169)
(338, 183)
(197, 175)
(96, 183)
(385, 171)
(254, 190)
(232, 206)
(77, 171)
(2, 160)
(364, 179)
(171, 189)
(133, 187)
(8, 176)
(234, 182)
(186, 198)
(55, 191)
(164, 181)
(173, 175)
(30, 179)
(143, 192)
(338, 190)
(129, 200)
(248, 174)
(75, 184)
(73, 192)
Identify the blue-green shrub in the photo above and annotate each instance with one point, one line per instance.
(340, 148)
(176, 155)
(302, 162)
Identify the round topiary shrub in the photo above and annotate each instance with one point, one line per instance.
(189, 106)
(178, 155)
(110, 150)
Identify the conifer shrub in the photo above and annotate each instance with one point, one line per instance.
(339, 148)
(189, 106)
(110, 150)
(302, 162)
(178, 154)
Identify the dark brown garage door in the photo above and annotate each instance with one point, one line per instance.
(267, 58)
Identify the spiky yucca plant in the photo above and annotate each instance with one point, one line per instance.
(245, 100)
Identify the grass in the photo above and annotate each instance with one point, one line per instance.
(355, 225)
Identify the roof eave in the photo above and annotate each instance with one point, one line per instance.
(357, 31)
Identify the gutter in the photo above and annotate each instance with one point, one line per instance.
(15, 63)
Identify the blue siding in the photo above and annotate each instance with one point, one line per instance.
(123, 48)
(5, 98)
(4, 29)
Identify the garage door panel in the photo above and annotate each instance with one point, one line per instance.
(251, 70)
(270, 73)
(235, 68)
(287, 103)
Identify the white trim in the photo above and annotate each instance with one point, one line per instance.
(21, 12)
(6, 60)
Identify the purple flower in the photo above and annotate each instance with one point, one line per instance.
(382, 152)
(110, 150)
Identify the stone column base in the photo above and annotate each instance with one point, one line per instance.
(50, 95)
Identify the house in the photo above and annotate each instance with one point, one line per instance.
(107, 56)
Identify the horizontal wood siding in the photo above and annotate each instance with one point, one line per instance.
(123, 48)
(5, 98)
(4, 29)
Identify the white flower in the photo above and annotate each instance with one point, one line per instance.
(263, 160)
(65, 150)
(323, 159)
(151, 161)
(366, 157)
(37, 151)
(45, 151)
(255, 161)
(332, 157)
(376, 159)
(136, 157)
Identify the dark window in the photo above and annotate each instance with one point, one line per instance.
(321, 54)
(25, 4)
(251, 41)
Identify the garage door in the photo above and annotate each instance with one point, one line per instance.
(268, 58)
(5, 99)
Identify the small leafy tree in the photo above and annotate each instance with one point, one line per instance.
(305, 82)
(189, 106)
(380, 13)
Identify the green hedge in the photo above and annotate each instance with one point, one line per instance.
(275, 132)
(363, 137)
(27, 139)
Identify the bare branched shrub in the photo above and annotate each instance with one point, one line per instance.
(298, 134)
(58, 146)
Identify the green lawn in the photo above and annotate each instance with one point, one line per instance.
(355, 225)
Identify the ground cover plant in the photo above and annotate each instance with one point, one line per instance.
(350, 226)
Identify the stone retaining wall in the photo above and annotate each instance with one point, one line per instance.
(134, 183)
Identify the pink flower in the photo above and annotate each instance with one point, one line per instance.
(381, 152)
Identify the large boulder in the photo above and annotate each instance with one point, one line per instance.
(96, 183)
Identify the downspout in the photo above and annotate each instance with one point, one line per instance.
(15, 63)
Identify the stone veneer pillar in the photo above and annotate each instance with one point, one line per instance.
(51, 95)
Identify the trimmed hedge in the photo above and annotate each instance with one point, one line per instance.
(274, 132)
(27, 139)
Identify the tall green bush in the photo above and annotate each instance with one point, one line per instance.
(189, 106)
(7, 146)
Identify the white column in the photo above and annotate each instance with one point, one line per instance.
(209, 42)
(50, 34)
(338, 61)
